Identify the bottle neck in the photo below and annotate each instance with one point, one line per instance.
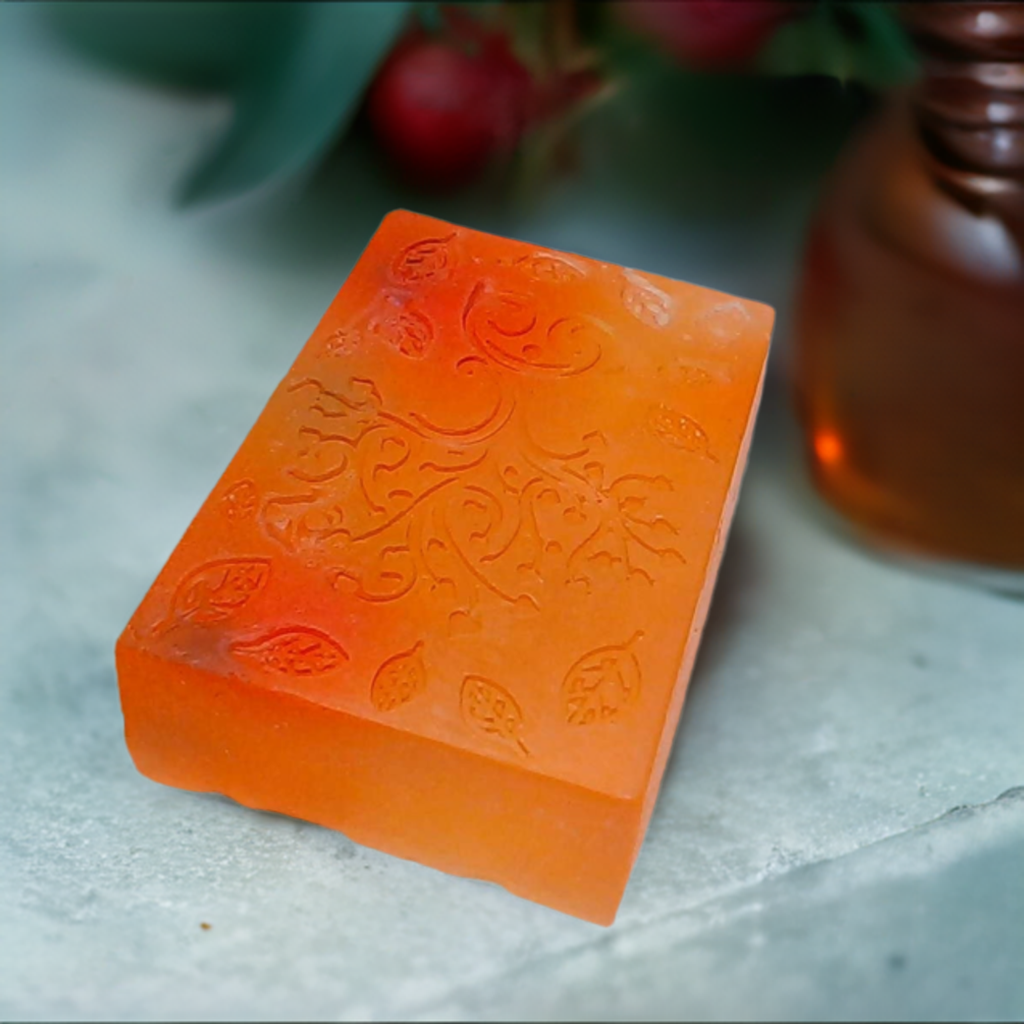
(969, 105)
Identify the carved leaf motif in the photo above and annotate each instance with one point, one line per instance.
(294, 651)
(425, 260)
(648, 304)
(601, 684)
(409, 332)
(399, 679)
(725, 321)
(241, 500)
(680, 431)
(217, 590)
(493, 710)
(544, 266)
(342, 342)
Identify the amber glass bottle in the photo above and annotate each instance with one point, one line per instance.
(909, 348)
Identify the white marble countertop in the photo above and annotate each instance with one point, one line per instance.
(840, 833)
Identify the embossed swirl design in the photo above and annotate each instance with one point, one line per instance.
(475, 512)
(471, 509)
(506, 326)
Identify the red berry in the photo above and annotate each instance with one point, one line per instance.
(710, 33)
(442, 113)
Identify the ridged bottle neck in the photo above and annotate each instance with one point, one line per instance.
(969, 105)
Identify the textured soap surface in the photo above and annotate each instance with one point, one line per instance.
(447, 595)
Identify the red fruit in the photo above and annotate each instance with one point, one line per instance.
(709, 33)
(442, 113)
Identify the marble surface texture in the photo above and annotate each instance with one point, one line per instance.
(841, 828)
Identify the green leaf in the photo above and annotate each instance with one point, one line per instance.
(291, 106)
(895, 57)
(845, 40)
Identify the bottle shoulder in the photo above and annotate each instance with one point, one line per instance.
(888, 182)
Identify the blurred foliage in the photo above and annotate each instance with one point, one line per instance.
(300, 98)
(848, 41)
(298, 71)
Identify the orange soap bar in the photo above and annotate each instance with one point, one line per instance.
(447, 595)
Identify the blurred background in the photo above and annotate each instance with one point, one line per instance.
(184, 187)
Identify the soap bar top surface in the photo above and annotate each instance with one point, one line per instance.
(482, 504)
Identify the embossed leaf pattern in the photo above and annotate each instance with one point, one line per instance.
(399, 679)
(544, 266)
(601, 684)
(648, 304)
(426, 260)
(491, 709)
(681, 431)
(241, 500)
(407, 331)
(726, 321)
(343, 341)
(293, 651)
(216, 591)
